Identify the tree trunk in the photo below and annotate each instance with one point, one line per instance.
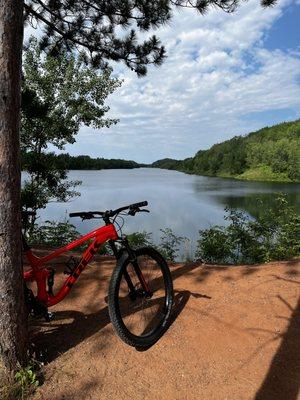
(13, 321)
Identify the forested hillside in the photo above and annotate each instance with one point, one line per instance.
(165, 163)
(65, 161)
(270, 154)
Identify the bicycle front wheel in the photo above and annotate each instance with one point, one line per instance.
(140, 297)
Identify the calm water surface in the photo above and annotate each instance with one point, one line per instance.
(185, 203)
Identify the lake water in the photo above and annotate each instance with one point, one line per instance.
(184, 203)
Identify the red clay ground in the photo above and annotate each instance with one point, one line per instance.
(235, 336)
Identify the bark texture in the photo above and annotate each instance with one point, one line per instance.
(13, 326)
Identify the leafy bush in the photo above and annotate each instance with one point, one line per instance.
(27, 380)
(53, 233)
(56, 234)
(169, 244)
(213, 247)
(274, 235)
(22, 385)
(139, 239)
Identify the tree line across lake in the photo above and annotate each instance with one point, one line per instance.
(67, 162)
(270, 154)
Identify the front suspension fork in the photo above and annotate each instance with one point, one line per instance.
(133, 260)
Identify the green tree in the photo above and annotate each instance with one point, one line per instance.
(58, 96)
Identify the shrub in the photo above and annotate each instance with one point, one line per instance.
(139, 239)
(169, 244)
(213, 246)
(23, 384)
(53, 233)
(56, 234)
(273, 235)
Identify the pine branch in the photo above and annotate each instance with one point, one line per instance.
(90, 26)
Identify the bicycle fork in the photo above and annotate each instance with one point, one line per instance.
(144, 284)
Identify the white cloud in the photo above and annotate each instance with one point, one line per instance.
(216, 76)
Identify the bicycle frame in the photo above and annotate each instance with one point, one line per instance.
(39, 272)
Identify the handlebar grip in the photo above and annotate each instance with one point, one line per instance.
(141, 204)
(76, 214)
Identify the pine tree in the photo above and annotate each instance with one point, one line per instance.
(13, 335)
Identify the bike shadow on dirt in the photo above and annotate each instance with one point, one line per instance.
(181, 298)
(71, 327)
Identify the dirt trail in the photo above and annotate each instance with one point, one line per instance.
(235, 336)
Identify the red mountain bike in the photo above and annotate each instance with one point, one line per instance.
(140, 293)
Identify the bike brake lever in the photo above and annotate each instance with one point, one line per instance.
(86, 217)
(134, 211)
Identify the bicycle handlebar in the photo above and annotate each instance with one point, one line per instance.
(110, 213)
(85, 214)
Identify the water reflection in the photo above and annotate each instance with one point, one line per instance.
(248, 196)
(185, 203)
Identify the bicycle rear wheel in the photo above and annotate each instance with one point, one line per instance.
(141, 316)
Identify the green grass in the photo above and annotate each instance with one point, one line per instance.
(263, 173)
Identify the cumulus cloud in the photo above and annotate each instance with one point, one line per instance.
(218, 81)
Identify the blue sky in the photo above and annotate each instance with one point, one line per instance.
(225, 75)
(285, 32)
